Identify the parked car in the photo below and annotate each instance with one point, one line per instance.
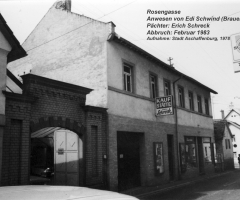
(45, 192)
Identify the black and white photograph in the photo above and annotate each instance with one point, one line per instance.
(108, 100)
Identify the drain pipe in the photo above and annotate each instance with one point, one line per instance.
(176, 124)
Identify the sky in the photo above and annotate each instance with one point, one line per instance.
(209, 62)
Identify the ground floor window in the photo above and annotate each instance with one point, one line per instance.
(158, 157)
(191, 158)
(208, 150)
(188, 154)
(191, 153)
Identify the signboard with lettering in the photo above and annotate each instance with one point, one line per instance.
(235, 41)
(164, 105)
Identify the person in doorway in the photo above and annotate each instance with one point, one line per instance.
(239, 160)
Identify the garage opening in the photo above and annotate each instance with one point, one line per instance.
(56, 157)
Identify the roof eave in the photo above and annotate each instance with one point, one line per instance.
(17, 50)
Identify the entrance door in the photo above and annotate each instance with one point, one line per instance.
(128, 160)
(170, 156)
(66, 171)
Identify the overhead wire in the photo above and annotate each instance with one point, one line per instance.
(129, 32)
(149, 47)
(80, 26)
(99, 18)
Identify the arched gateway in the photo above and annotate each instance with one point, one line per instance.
(50, 125)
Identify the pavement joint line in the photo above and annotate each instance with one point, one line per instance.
(181, 185)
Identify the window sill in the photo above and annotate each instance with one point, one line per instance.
(191, 111)
(130, 94)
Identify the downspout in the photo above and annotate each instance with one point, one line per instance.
(176, 124)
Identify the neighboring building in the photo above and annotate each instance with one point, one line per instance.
(10, 50)
(235, 129)
(142, 148)
(233, 118)
(224, 146)
(54, 115)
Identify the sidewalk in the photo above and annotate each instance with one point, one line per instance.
(146, 190)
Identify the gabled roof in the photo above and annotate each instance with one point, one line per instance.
(231, 112)
(115, 37)
(17, 50)
(219, 129)
(234, 124)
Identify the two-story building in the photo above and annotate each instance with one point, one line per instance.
(142, 148)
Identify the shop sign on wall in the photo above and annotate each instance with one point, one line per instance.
(164, 105)
(235, 41)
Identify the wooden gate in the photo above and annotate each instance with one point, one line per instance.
(66, 165)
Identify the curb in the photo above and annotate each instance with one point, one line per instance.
(181, 185)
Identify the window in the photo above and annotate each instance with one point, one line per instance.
(158, 157)
(206, 107)
(227, 144)
(190, 152)
(128, 78)
(153, 86)
(207, 147)
(181, 96)
(199, 103)
(190, 97)
(167, 87)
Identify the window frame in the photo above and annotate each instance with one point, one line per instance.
(181, 97)
(151, 74)
(191, 101)
(169, 84)
(206, 104)
(227, 143)
(131, 75)
(199, 103)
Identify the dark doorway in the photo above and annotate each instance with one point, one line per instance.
(170, 156)
(128, 145)
(200, 155)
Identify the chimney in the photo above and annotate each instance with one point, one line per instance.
(222, 111)
(68, 4)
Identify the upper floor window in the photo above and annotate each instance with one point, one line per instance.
(167, 87)
(206, 106)
(153, 85)
(227, 144)
(128, 77)
(181, 96)
(199, 103)
(191, 102)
